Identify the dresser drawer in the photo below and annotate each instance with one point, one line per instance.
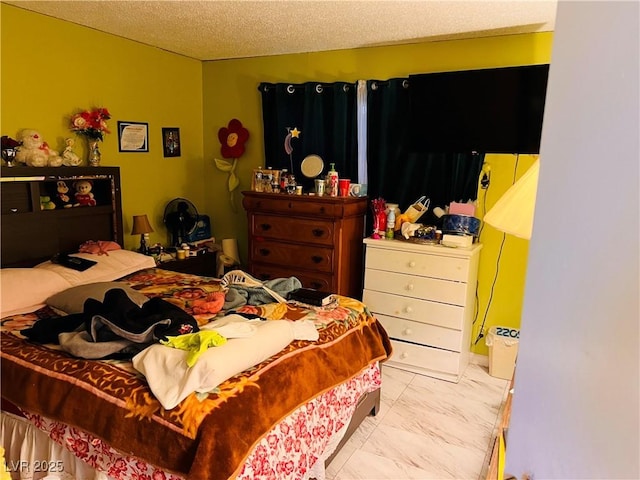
(303, 230)
(423, 311)
(427, 288)
(412, 263)
(315, 280)
(422, 333)
(286, 205)
(293, 255)
(422, 359)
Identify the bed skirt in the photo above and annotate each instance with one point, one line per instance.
(35, 451)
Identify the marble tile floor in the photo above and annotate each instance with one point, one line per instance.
(426, 429)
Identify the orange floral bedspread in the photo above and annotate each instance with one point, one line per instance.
(205, 436)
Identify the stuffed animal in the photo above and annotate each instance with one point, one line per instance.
(34, 152)
(83, 195)
(63, 199)
(46, 203)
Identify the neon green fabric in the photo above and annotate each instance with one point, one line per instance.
(195, 343)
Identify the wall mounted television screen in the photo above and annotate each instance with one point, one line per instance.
(497, 110)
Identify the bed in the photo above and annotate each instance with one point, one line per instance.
(282, 417)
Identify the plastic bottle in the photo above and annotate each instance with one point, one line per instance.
(391, 223)
(332, 181)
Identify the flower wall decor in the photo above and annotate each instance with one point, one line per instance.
(232, 139)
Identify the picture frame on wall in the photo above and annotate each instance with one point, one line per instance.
(133, 136)
(171, 141)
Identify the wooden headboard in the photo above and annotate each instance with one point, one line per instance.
(31, 234)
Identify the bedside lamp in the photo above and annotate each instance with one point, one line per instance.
(142, 227)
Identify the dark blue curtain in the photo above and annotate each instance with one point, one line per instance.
(325, 116)
(400, 172)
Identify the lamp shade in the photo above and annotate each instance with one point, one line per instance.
(141, 225)
(513, 212)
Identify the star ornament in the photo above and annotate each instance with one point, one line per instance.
(295, 133)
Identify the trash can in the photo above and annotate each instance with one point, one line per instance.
(503, 350)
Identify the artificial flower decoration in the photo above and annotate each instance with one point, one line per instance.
(9, 143)
(91, 123)
(232, 139)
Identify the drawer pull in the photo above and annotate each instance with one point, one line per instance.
(14, 210)
(404, 355)
(264, 276)
(265, 226)
(264, 252)
(290, 205)
(407, 331)
(317, 232)
(412, 264)
(409, 287)
(316, 285)
(408, 309)
(321, 209)
(316, 259)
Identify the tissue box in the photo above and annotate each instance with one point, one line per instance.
(462, 209)
(461, 241)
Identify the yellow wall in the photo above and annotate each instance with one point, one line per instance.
(51, 68)
(230, 91)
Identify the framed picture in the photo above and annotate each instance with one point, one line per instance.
(133, 137)
(171, 142)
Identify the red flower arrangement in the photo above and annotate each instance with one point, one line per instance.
(91, 123)
(232, 139)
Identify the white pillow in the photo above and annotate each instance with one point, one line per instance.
(171, 380)
(24, 290)
(109, 267)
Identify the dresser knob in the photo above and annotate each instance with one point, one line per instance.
(404, 355)
(410, 287)
(317, 232)
(408, 310)
(264, 252)
(316, 259)
(265, 226)
(412, 264)
(14, 210)
(407, 331)
(321, 209)
(316, 285)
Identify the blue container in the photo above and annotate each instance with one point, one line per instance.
(460, 225)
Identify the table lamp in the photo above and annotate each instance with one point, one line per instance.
(513, 212)
(142, 227)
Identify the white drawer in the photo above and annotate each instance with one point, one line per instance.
(424, 359)
(416, 332)
(423, 311)
(426, 288)
(426, 265)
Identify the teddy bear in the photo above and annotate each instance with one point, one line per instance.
(83, 196)
(62, 198)
(35, 152)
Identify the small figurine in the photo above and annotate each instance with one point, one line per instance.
(83, 195)
(69, 157)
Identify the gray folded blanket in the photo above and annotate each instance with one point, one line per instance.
(239, 295)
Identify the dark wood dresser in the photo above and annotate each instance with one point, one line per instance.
(316, 239)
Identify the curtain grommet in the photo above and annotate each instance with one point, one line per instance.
(290, 89)
(319, 88)
(405, 84)
(374, 86)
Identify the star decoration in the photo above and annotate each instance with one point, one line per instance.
(295, 132)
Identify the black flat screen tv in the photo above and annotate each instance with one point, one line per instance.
(497, 110)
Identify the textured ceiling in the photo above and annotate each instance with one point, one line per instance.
(216, 29)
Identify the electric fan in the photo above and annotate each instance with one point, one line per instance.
(181, 218)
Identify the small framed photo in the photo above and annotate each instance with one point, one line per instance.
(171, 142)
(133, 137)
